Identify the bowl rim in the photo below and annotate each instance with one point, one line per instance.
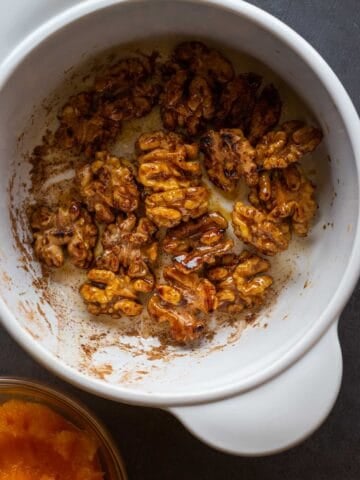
(347, 283)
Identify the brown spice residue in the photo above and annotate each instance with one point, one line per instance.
(101, 371)
(6, 279)
(43, 314)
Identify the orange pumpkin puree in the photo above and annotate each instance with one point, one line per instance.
(38, 444)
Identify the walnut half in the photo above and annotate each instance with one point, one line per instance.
(199, 242)
(253, 227)
(129, 244)
(166, 162)
(168, 209)
(240, 282)
(106, 186)
(204, 61)
(192, 77)
(63, 229)
(184, 303)
(169, 167)
(286, 194)
(237, 101)
(84, 126)
(187, 102)
(286, 145)
(228, 157)
(108, 293)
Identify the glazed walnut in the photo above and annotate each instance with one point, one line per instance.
(237, 101)
(169, 167)
(191, 80)
(199, 242)
(106, 185)
(266, 114)
(166, 162)
(91, 120)
(240, 282)
(111, 294)
(228, 157)
(129, 244)
(203, 61)
(169, 208)
(184, 302)
(187, 102)
(125, 73)
(66, 229)
(136, 102)
(286, 145)
(262, 231)
(83, 125)
(287, 193)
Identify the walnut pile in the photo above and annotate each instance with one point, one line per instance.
(91, 120)
(228, 156)
(286, 145)
(129, 245)
(198, 242)
(66, 229)
(184, 302)
(286, 194)
(192, 75)
(267, 234)
(170, 167)
(147, 228)
(111, 294)
(239, 281)
(106, 186)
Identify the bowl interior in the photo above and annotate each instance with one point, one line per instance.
(57, 329)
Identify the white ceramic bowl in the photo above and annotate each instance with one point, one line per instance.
(272, 387)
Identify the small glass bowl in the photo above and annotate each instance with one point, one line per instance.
(30, 391)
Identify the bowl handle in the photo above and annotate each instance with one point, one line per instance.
(276, 415)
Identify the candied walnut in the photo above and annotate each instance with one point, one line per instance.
(84, 126)
(239, 283)
(91, 120)
(265, 233)
(126, 72)
(229, 156)
(67, 229)
(169, 208)
(279, 148)
(107, 185)
(198, 242)
(287, 193)
(108, 293)
(187, 102)
(266, 114)
(136, 102)
(166, 162)
(204, 61)
(168, 166)
(129, 244)
(184, 303)
(237, 101)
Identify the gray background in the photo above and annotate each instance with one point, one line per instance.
(154, 444)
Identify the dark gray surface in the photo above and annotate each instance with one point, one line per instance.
(154, 444)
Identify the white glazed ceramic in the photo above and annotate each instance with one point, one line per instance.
(272, 387)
